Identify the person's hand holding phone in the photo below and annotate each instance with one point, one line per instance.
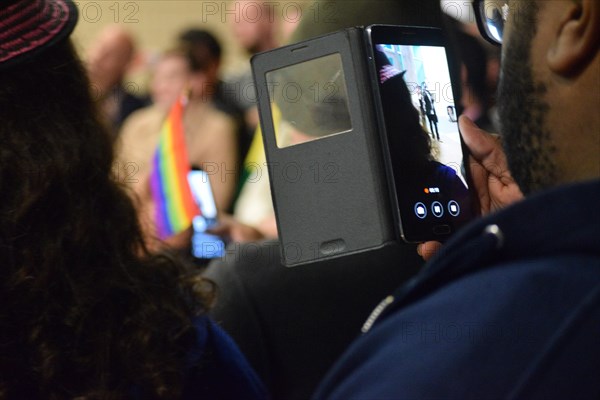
(491, 177)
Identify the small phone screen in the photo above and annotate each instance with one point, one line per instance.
(204, 245)
(425, 148)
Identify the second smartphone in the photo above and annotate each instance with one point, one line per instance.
(204, 246)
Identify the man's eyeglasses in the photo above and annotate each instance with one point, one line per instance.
(491, 16)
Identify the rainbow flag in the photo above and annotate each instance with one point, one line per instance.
(175, 205)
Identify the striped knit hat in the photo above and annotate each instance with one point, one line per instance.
(28, 27)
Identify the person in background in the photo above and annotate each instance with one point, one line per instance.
(139, 136)
(108, 59)
(509, 307)
(430, 111)
(87, 312)
(209, 134)
(217, 92)
(254, 27)
(421, 108)
(208, 49)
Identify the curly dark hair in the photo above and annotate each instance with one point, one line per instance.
(86, 311)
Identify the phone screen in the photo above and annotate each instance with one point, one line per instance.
(204, 245)
(425, 149)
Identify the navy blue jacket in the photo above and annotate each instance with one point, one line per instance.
(509, 309)
(217, 369)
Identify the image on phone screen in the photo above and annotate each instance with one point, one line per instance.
(204, 245)
(425, 148)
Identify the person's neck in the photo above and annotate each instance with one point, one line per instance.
(199, 100)
(574, 126)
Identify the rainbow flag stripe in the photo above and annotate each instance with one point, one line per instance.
(174, 204)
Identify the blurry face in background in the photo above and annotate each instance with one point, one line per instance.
(108, 59)
(169, 80)
(252, 26)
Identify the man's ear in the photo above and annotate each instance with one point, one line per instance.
(578, 38)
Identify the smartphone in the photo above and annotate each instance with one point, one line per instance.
(204, 246)
(424, 155)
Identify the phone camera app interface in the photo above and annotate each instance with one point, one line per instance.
(422, 133)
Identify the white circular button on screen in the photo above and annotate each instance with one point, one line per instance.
(453, 208)
(437, 209)
(420, 210)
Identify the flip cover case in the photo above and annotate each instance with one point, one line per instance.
(320, 215)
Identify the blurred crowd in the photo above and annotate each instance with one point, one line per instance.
(221, 118)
